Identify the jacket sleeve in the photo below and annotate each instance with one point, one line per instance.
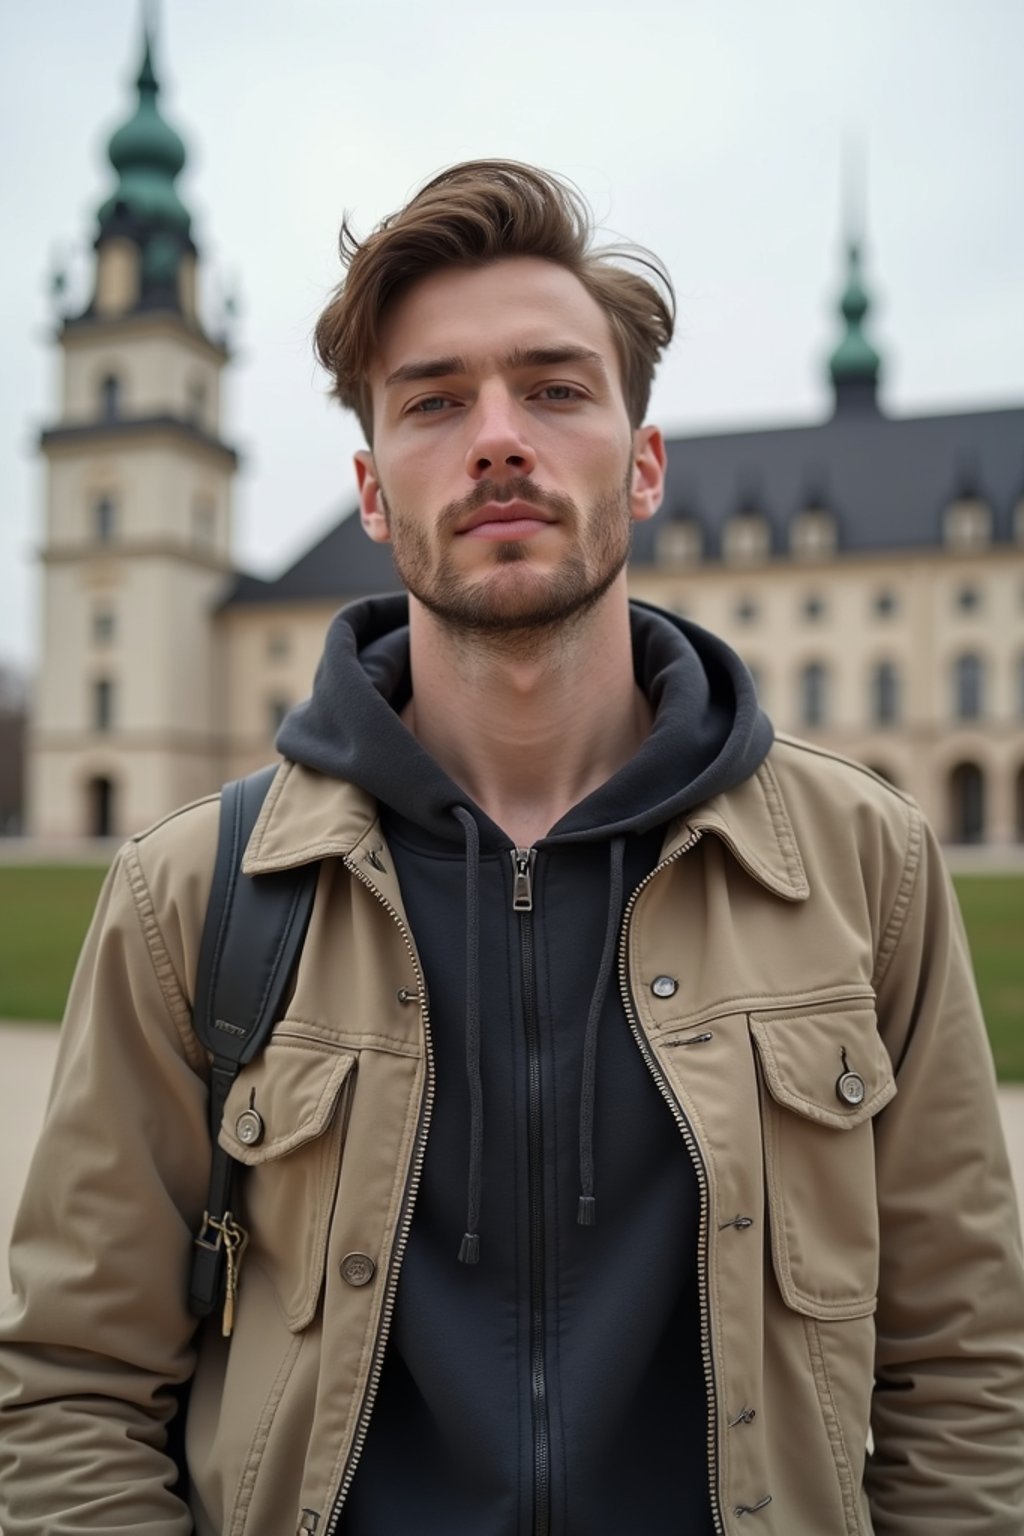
(98, 1337)
(948, 1411)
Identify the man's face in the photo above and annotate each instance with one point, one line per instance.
(504, 470)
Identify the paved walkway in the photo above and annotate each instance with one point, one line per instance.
(27, 1054)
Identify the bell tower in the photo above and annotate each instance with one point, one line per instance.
(137, 544)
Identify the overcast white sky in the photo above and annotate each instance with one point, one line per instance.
(713, 133)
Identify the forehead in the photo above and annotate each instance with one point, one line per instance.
(481, 313)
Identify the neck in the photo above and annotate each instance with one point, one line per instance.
(528, 730)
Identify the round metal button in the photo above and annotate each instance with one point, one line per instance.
(358, 1268)
(249, 1128)
(850, 1088)
(664, 986)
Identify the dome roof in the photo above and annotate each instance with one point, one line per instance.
(147, 155)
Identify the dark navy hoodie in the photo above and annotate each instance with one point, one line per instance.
(553, 1384)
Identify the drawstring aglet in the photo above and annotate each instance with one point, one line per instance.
(469, 1248)
(586, 1211)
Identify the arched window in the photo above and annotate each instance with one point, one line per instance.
(814, 694)
(104, 519)
(968, 687)
(885, 694)
(967, 804)
(110, 397)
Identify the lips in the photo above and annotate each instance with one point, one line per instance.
(520, 515)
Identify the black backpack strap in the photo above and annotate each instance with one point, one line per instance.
(252, 936)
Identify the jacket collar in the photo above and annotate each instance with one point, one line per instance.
(754, 824)
(308, 816)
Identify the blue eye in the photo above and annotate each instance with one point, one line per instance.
(431, 405)
(559, 392)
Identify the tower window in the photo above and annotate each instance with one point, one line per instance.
(277, 708)
(886, 603)
(278, 645)
(746, 611)
(814, 607)
(102, 704)
(196, 410)
(203, 523)
(104, 518)
(110, 397)
(968, 599)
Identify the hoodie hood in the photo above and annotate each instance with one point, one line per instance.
(709, 732)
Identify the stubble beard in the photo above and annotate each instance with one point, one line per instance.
(521, 614)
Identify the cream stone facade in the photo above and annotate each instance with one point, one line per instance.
(869, 570)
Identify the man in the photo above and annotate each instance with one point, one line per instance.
(628, 1154)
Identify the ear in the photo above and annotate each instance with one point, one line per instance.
(647, 484)
(372, 510)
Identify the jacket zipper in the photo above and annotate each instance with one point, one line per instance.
(405, 1222)
(522, 903)
(700, 1170)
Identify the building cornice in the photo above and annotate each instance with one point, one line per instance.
(119, 744)
(162, 324)
(135, 431)
(134, 549)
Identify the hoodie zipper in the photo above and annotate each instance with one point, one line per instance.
(696, 1157)
(405, 1222)
(522, 903)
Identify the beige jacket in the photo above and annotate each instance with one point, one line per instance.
(860, 1266)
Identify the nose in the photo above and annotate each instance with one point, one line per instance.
(499, 449)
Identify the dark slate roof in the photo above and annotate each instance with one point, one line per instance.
(887, 480)
(344, 563)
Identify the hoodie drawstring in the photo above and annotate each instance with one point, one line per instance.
(469, 1249)
(586, 1213)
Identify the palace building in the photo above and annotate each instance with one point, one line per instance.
(869, 568)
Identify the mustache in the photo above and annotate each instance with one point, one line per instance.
(520, 488)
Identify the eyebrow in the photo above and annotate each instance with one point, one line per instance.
(519, 357)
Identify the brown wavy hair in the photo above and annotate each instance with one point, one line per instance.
(478, 212)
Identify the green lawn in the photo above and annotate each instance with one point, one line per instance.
(46, 911)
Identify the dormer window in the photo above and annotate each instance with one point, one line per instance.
(812, 534)
(680, 541)
(968, 524)
(747, 538)
(110, 397)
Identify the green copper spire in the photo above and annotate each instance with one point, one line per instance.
(854, 365)
(855, 359)
(148, 156)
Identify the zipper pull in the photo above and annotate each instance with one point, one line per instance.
(308, 1522)
(235, 1240)
(522, 886)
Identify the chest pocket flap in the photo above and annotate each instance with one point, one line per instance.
(285, 1118)
(826, 1074)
